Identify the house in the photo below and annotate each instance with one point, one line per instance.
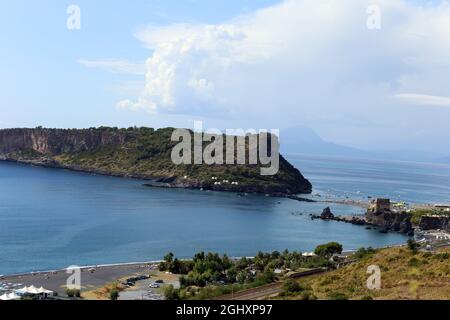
(442, 207)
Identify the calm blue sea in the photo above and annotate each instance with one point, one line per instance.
(54, 218)
(415, 183)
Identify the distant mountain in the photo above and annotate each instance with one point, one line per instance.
(443, 160)
(305, 140)
(300, 139)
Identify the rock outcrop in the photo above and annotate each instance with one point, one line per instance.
(385, 220)
(327, 214)
(51, 142)
(435, 223)
(390, 221)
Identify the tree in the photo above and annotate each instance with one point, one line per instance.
(329, 249)
(169, 257)
(114, 294)
(242, 276)
(175, 266)
(170, 293)
(412, 245)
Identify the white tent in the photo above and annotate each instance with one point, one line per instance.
(45, 291)
(22, 290)
(309, 254)
(29, 290)
(10, 296)
(33, 290)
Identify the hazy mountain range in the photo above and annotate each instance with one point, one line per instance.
(304, 140)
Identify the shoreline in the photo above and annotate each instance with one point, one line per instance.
(151, 181)
(82, 268)
(99, 267)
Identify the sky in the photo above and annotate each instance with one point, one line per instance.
(368, 77)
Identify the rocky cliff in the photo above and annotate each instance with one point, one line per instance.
(390, 221)
(51, 142)
(435, 223)
(140, 153)
(385, 220)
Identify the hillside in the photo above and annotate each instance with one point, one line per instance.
(139, 153)
(404, 275)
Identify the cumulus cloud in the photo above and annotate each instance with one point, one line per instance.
(300, 56)
(115, 66)
(310, 62)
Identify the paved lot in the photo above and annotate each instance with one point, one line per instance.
(56, 281)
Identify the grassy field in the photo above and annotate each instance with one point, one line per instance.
(404, 275)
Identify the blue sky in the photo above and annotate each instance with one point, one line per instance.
(262, 64)
(43, 84)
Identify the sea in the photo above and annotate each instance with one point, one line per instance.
(52, 218)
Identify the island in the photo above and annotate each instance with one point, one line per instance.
(142, 153)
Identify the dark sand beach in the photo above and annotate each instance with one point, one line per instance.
(91, 277)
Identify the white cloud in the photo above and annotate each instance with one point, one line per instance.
(136, 106)
(425, 100)
(305, 61)
(295, 56)
(115, 66)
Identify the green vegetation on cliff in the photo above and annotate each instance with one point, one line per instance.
(141, 153)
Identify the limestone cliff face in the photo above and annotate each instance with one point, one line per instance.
(58, 141)
(140, 153)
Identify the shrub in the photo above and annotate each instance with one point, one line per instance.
(170, 293)
(307, 295)
(71, 293)
(114, 294)
(412, 245)
(338, 296)
(442, 256)
(414, 262)
(291, 286)
(363, 252)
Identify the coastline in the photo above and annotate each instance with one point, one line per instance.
(152, 182)
(130, 265)
(158, 181)
(350, 202)
(96, 277)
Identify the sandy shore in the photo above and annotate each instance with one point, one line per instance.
(90, 279)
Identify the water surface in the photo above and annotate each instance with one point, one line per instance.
(55, 218)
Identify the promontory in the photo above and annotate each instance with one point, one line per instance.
(142, 153)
